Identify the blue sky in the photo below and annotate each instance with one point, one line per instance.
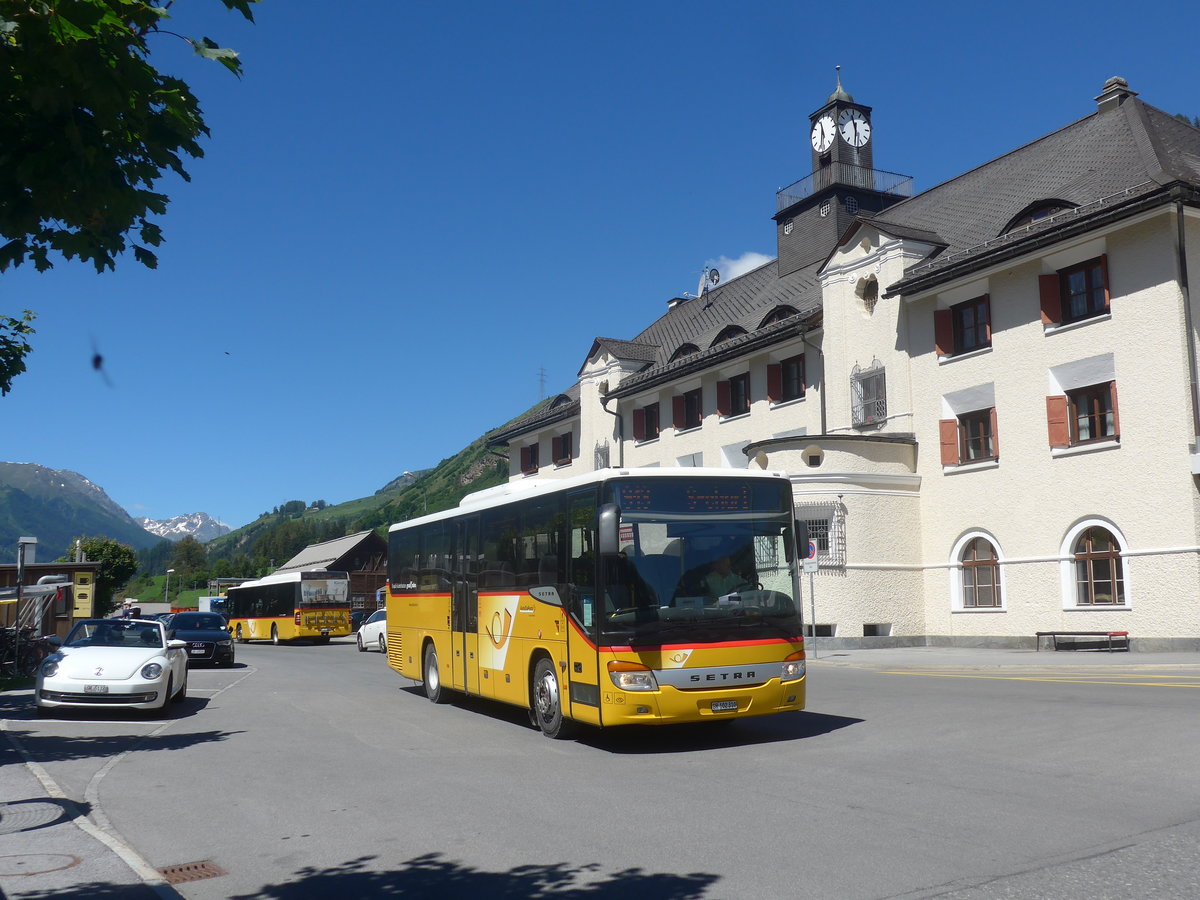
(408, 211)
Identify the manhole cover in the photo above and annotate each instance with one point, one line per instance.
(194, 871)
(36, 863)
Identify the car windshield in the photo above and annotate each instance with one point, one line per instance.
(115, 633)
(197, 622)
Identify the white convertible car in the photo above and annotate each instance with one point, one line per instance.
(113, 664)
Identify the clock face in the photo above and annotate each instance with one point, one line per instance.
(822, 133)
(854, 127)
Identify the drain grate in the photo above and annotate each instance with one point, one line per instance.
(193, 871)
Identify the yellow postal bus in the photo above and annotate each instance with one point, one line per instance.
(616, 598)
(278, 608)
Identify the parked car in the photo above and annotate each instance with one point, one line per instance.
(373, 632)
(356, 618)
(207, 636)
(113, 664)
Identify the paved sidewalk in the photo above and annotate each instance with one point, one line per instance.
(48, 847)
(972, 657)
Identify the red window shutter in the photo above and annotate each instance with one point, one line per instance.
(987, 316)
(525, 459)
(1051, 292)
(722, 398)
(678, 410)
(1116, 418)
(1107, 293)
(943, 332)
(775, 383)
(556, 449)
(995, 436)
(639, 424)
(948, 437)
(1056, 421)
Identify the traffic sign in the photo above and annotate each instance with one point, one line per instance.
(812, 550)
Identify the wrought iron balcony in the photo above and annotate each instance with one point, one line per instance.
(844, 173)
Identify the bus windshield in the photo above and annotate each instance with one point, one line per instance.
(700, 563)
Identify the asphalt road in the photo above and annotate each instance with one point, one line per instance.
(312, 771)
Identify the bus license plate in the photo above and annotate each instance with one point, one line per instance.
(95, 688)
(723, 705)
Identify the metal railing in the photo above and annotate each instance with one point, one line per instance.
(847, 174)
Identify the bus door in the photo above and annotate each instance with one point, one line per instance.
(582, 608)
(465, 606)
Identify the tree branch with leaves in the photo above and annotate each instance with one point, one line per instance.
(89, 126)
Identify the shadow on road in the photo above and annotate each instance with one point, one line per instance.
(44, 748)
(790, 726)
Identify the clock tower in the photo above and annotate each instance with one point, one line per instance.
(814, 212)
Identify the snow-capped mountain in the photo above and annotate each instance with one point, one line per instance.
(201, 526)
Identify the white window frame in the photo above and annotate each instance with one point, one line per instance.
(957, 602)
(1067, 567)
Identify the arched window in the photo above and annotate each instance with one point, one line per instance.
(1099, 569)
(727, 334)
(1035, 212)
(980, 575)
(778, 314)
(685, 350)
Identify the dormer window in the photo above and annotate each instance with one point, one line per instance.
(778, 314)
(1035, 213)
(727, 334)
(685, 350)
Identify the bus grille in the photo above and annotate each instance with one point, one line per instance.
(394, 649)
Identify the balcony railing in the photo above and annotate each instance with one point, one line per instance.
(844, 173)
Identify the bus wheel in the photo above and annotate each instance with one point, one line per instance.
(547, 702)
(238, 636)
(274, 635)
(433, 676)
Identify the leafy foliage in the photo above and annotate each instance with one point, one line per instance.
(118, 563)
(88, 127)
(13, 348)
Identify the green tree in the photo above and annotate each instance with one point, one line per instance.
(190, 556)
(88, 127)
(117, 561)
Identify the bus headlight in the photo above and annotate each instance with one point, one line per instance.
(631, 676)
(150, 671)
(793, 667)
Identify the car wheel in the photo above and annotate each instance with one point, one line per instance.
(181, 695)
(274, 635)
(433, 676)
(362, 648)
(547, 702)
(382, 644)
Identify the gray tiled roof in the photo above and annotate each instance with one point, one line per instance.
(1105, 159)
(319, 556)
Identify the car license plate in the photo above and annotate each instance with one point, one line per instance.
(723, 705)
(95, 688)
(198, 652)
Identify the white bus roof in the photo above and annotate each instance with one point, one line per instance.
(521, 490)
(284, 577)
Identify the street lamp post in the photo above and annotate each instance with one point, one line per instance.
(167, 587)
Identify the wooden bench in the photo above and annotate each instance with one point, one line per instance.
(1120, 637)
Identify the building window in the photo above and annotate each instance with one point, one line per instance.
(733, 396)
(980, 575)
(728, 334)
(529, 459)
(969, 438)
(964, 327)
(645, 423)
(1084, 415)
(869, 394)
(687, 409)
(785, 380)
(1075, 294)
(870, 294)
(1099, 572)
(563, 449)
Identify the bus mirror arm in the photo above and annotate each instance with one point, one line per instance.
(801, 540)
(607, 540)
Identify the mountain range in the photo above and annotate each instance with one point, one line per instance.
(56, 506)
(201, 526)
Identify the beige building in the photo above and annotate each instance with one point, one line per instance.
(985, 394)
